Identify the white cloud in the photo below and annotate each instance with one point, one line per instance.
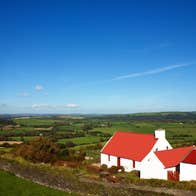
(54, 107)
(72, 105)
(41, 106)
(39, 88)
(151, 72)
(24, 94)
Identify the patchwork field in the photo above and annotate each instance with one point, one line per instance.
(81, 139)
(180, 127)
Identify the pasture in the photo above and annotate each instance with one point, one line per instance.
(12, 186)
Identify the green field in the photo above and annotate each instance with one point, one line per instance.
(81, 140)
(11, 185)
(180, 127)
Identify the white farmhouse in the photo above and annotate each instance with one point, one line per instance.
(151, 154)
(130, 149)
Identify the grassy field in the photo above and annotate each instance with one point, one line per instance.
(35, 122)
(11, 185)
(180, 127)
(81, 140)
(177, 133)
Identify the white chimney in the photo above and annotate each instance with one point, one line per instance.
(159, 133)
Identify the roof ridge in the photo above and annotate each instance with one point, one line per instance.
(176, 148)
(188, 153)
(130, 132)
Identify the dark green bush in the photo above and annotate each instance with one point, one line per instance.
(104, 167)
(113, 169)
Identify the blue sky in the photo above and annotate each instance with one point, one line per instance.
(97, 56)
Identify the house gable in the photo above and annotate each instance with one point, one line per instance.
(191, 158)
(172, 157)
(129, 145)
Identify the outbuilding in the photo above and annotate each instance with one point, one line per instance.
(188, 167)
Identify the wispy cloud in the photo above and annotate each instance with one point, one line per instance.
(48, 106)
(42, 106)
(24, 94)
(72, 105)
(39, 88)
(152, 71)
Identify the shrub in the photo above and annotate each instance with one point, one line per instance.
(76, 155)
(63, 154)
(113, 179)
(113, 170)
(69, 144)
(104, 167)
(121, 169)
(135, 173)
(93, 169)
(38, 150)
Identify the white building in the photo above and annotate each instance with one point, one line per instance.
(188, 167)
(151, 154)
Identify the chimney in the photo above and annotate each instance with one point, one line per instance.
(159, 133)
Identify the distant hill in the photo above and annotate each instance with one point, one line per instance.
(153, 116)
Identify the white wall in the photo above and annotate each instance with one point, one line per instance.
(109, 163)
(151, 167)
(161, 144)
(126, 163)
(187, 171)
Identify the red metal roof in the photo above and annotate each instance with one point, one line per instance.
(191, 158)
(171, 158)
(134, 146)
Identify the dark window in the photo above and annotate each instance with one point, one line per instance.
(118, 162)
(178, 168)
(133, 163)
(167, 147)
(108, 157)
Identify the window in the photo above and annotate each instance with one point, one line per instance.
(133, 163)
(156, 149)
(108, 157)
(167, 147)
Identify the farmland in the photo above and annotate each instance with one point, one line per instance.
(87, 130)
(87, 135)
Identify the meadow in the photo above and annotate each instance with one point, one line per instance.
(12, 185)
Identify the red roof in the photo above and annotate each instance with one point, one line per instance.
(171, 158)
(134, 146)
(191, 158)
